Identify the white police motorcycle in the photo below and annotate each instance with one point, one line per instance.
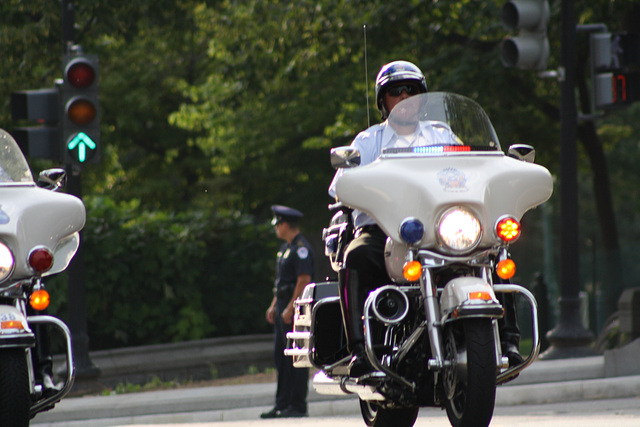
(450, 212)
(38, 237)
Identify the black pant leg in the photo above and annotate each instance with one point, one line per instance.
(293, 383)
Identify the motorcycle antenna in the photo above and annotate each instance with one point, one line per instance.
(366, 75)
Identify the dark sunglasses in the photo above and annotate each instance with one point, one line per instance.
(410, 89)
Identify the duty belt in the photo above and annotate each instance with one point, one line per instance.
(283, 291)
(370, 228)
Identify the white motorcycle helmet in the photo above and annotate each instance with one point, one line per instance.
(395, 72)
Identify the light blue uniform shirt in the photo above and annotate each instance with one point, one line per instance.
(372, 141)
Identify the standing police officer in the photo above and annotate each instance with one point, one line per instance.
(294, 271)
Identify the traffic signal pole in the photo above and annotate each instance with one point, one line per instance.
(86, 372)
(569, 338)
(529, 50)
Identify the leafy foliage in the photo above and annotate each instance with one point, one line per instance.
(212, 110)
(157, 276)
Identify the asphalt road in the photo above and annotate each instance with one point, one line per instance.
(546, 390)
(613, 412)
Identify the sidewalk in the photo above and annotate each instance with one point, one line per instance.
(543, 382)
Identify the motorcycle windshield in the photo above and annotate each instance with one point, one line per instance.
(446, 155)
(13, 166)
(439, 122)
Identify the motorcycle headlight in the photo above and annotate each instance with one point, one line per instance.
(459, 230)
(6, 262)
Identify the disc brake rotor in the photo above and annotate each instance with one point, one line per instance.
(456, 366)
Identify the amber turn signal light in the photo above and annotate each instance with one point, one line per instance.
(39, 300)
(480, 295)
(412, 271)
(506, 269)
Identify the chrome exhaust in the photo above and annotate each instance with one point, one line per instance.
(390, 305)
(342, 386)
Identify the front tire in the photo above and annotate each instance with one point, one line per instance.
(15, 401)
(375, 416)
(470, 380)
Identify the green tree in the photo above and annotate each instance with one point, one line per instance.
(230, 106)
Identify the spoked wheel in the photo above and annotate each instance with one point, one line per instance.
(470, 380)
(375, 416)
(15, 401)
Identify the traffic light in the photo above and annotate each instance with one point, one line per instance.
(80, 121)
(614, 62)
(39, 106)
(530, 49)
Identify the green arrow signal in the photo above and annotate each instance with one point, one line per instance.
(83, 142)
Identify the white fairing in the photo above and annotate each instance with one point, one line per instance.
(10, 313)
(492, 185)
(425, 179)
(38, 217)
(31, 216)
(457, 293)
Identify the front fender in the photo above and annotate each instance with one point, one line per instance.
(14, 328)
(466, 297)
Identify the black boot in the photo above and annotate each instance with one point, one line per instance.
(43, 361)
(352, 299)
(45, 373)
(509, 329)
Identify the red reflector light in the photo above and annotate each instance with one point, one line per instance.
(41, 260)
(508, 229)
(81, 74)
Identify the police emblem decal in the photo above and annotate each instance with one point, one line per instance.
(303, 252)
(452, 179)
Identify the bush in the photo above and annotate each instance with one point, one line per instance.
(157, 277)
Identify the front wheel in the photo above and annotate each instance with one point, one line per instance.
(15, 401)
(375, 416)
(470, 378)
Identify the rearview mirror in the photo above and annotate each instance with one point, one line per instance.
(523, 152)
(52, 179)
(345, 157)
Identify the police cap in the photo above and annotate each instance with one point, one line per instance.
(284, 213)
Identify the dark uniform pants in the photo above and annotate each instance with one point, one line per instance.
(293, 383)
(365, 254)
(365, 271)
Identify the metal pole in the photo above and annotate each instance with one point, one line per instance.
(86, 371)
(570, 338)
(68, 36)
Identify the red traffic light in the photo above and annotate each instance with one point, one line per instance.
(80, 74)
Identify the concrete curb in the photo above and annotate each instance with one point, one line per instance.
(544, 382)
(196, 360)
(569, 391)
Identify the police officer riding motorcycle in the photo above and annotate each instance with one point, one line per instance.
(423, 311)
(365, 268)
